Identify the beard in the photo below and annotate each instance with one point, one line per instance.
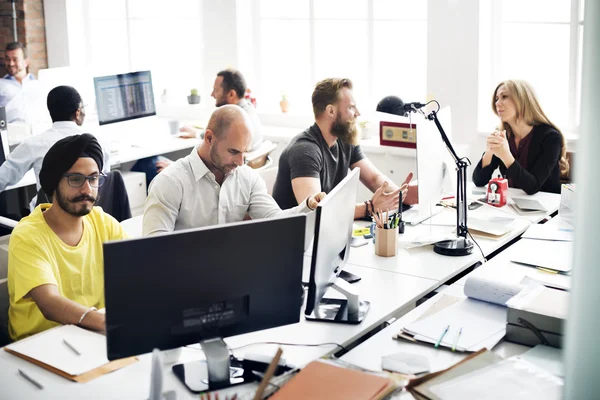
(70, 205)
(345, 131)
(218, 162)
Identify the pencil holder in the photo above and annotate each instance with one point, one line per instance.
(386, 242)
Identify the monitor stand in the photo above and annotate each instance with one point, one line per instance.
(216, 372)
(346, 311)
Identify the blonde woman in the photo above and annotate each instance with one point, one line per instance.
(529, 150)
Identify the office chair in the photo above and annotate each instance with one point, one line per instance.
(260, 157)
(4, 299)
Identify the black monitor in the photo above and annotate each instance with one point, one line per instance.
(201, 285)
(123, 97)
(331, 249)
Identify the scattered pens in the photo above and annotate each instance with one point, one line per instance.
(30, 379)
(456, 339)
(70, 346)
(441, 337)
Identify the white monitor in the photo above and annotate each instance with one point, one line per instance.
(435, 167)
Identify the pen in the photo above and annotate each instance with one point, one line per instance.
(547, 270)
(441, 337)
(456, 339)
(69, 345)
(30, 379)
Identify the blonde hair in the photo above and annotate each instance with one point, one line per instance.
(529, 110)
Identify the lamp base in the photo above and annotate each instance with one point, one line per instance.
(455, 247)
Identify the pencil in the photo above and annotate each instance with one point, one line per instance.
(70, 346)
(456, 339)
(441, 337)
(268, 375)
(30, 379)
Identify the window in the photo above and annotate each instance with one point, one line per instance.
(538, 41)
(134, 35)
(300, 42)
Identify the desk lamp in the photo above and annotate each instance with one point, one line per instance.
(461, 246)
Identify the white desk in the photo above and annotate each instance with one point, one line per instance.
(128, 144)
(368, 354)
(388, 293)
(424, 263)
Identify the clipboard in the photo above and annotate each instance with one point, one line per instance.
(86, 376)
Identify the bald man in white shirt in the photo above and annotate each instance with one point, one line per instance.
(212, 185)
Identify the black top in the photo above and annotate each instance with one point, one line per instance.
(308, 155)
(542, 172)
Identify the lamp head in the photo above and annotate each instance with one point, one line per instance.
(392, 105)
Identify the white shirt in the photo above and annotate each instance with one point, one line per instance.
(257, 138)
(30, 154)
(22, 100)
(186, 195)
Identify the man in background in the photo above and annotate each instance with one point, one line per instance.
(13, 83)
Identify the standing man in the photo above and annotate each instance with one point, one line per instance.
(55, 259)
(12, 84)
(67, 113)
(319, 158)
(212, 185)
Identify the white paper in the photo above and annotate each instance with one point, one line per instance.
(508, 379)
(548, 232)
(492, 291)
(479, 321)
(49, 348)
(545, 357)
(543, 253)
(493, 225)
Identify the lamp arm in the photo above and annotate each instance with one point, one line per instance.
(461, 182)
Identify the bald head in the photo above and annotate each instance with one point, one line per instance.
(226, 117)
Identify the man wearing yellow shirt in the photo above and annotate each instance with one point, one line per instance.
(55, 261)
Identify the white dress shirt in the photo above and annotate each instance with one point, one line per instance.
(30, 154)
(186, 195)
(257, 137)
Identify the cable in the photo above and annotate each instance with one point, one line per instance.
(436, 102)
(479, 247)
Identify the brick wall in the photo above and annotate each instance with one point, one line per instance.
(30, 28)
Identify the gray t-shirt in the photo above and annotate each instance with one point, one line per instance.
(308, 155)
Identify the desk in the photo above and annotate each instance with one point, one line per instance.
(389, 294)
(128, 145)
(368, 354)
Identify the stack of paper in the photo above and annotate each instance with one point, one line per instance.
(551, 255)
(548, 232)
(526, 205)
(474, 323)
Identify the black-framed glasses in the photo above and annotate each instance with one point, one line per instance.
(78, 180)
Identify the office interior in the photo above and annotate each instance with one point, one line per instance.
(451, 51)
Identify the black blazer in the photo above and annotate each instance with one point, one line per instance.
(542, 172)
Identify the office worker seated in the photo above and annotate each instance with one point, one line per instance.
(55, 262)
(12, 84)
(319, 158)
(529, 150)
(229, 88)
(212, 185)
(67, 113)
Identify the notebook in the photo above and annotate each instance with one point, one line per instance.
(524, 205)
(474, 323)
(323, 380)
(48, 350)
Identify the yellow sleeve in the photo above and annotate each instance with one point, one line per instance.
(111, 227)
(28, 268)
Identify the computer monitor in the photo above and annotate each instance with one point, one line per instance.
(435, 168)
(201, 285)
(331, 249)
(124, 97)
